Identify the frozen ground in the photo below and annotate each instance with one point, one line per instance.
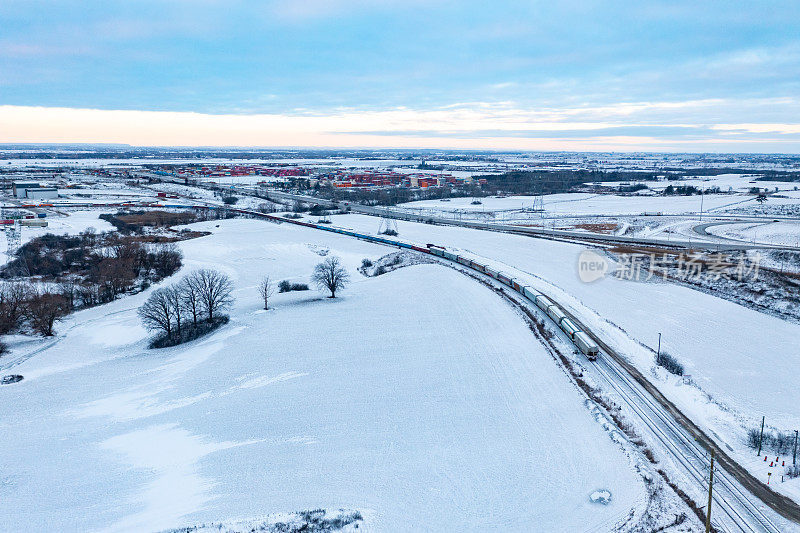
(745, 363)
(569, 204)
(419, 398)
(726, 182)
(785, 233)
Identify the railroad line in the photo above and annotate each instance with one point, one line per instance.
(781, 504)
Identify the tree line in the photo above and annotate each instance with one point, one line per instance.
(52, 275)
(26, 305)
(92, 268)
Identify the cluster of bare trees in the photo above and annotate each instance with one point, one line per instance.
(25, 305)
(329, 275)
(189, 308)
(92, 268)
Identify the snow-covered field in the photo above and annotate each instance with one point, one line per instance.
(785, 233)
(570, 204)
(744, 362)
(419, 397)
(725, 182)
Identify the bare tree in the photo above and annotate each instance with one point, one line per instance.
(157, 313)
(167, 259)
(89, 294)
(266, 289)
(190, 297)
(43, 309)
(12, 305)
(114, 276)
(69, 290)
(214, 289)
(330, 275)
(175, 299)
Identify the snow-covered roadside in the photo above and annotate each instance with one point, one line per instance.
(418, 396)
(739, 359)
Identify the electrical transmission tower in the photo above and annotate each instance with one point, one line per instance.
(388, 226)
(13, 241)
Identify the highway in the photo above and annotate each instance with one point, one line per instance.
(679, 243)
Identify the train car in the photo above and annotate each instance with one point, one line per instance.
(543, 302)
(462, 260)
(6, 222)
(417, 248)
(492, 272)
(569, 327)
(436, 250)
(515, 284)
(33, 222)
(529, 293)
(556, 314)
(449, 255)
(586, 345)
(477, 266)
(503, 278)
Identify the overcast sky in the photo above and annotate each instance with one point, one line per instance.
(571, 75)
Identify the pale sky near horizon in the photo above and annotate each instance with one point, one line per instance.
(540, 75)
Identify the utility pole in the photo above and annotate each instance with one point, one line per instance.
(761, 436)
(710, 493)
(702, 197)
(658, 354)
(794, 455)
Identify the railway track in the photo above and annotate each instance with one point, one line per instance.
(734, 509)
(690, 446)
(738, 510)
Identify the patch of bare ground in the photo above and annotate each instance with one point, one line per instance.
(598, 227)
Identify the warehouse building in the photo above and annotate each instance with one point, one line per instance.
(30, 189)
(42, 193)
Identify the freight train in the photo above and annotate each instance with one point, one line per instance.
(581, 339)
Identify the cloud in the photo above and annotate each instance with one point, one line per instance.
(306, 10)
(462, 127)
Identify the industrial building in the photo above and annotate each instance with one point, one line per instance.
(29, 189)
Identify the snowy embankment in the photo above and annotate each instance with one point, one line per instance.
(743, 363)
(419, 398)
